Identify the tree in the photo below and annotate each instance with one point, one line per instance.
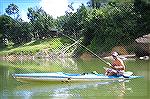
(110, 26)
(12, 9)
(21, 32)
(6, 25)
(72, 23)
(14, 31)
(97, 3)
(42, 22)
(142, 10)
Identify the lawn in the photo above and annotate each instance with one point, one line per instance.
(52, 44)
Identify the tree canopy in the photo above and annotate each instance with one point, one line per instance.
(12, 9)
(102, 25)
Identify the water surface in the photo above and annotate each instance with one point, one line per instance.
(130, 89)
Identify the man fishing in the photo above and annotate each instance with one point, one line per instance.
(117, 66)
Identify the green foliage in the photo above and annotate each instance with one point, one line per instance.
(72, 23)
(42, 23)
(14, 30)
(142, 9)
(12, 9)
(109, 24)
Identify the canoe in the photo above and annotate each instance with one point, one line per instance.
(68, 77)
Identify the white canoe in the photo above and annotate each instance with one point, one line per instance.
(67, 77)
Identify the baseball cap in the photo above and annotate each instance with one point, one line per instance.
(114, 54)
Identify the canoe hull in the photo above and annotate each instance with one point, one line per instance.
(62, 77)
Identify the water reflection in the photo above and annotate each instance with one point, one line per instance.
(116, 88)
(68, 63)
(42, 65)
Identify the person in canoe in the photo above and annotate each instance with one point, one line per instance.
(117, 66)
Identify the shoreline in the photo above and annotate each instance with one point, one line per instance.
(17, 57)
(85, 56)
(32, 57)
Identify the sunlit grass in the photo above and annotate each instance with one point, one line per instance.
(33, 47)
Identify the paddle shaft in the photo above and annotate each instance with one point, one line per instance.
(86, 49)
(125, 74)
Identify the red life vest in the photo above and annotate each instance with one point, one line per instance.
(118, 64)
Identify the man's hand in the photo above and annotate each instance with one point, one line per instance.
(109, 64)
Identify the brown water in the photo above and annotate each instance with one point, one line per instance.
(132, 89)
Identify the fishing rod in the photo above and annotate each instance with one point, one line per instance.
(86, 49)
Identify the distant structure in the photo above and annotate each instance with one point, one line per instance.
(144, 41)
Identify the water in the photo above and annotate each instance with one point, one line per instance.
(132, 89)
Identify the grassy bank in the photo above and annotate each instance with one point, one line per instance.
(31, 48)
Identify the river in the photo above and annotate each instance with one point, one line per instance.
(131, 89)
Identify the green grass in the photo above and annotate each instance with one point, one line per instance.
(33, 47)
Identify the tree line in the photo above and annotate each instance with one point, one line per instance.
(103, 24)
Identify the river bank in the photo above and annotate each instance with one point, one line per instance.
(33, 57)
(49, 50)
(83, 57)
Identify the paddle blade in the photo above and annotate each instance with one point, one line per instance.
(127, 74)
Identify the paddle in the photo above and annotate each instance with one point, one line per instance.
(87, 49)
(126, 74)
